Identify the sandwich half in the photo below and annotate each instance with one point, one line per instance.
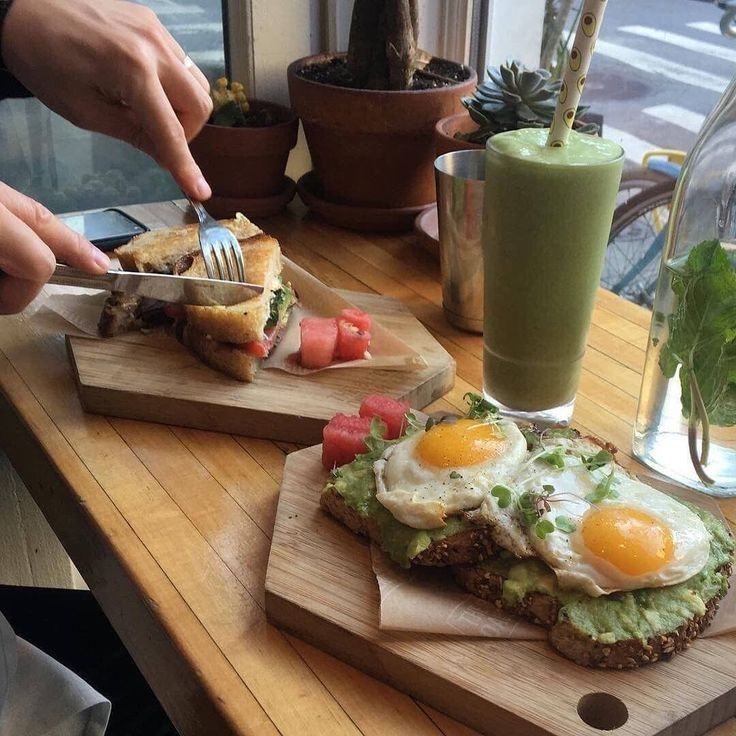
(232, 339)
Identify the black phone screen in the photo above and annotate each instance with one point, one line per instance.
(106, 229)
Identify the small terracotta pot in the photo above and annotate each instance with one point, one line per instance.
(445, 130)
(247, 163)
(372, 148)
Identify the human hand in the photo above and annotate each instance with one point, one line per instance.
(110, 66)
(31, 241)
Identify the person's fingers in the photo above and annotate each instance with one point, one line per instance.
(22, 253)
(186, 61)
(152, 108)
(16, 294)
(65, 245)
(190, 102)
(200, 77)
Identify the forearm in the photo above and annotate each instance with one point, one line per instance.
(9, 85)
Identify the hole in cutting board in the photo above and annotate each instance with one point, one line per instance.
(603, 711)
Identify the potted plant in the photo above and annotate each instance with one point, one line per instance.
(512, 97)
(243, 151)
(369, 116)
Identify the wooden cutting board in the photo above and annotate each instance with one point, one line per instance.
(320, 586)
(152, 377)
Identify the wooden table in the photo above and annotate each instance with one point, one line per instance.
(171, 527)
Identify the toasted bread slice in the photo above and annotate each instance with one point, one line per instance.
(245, 322)
(582, 648)
(158, 250)
(618, 631)
(219, 355)
(472, 544)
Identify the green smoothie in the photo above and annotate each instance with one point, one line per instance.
(547, 217)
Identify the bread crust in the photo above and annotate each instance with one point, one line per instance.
(229, 359)
(470, 545)
(576, 645)
(244, 322)
(157, 250)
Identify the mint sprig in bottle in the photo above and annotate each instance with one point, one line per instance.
(686, 418)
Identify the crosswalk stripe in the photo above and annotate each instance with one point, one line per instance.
(684, 42)
(215, 56)
(185, 29)
(634, 148)
(663, 67)
(163, 9)
(705, 25)
(676, 115)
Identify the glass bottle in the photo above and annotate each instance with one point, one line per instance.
(686, 419)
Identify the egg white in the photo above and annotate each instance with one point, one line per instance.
(421, 496)
(575, 566)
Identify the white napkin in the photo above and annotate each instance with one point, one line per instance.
(40, 697)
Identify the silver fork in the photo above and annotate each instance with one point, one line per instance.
(223, 257)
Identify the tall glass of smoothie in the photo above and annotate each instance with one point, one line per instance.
(547, 216)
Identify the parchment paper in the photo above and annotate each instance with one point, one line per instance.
(81, 308)
(428, 600)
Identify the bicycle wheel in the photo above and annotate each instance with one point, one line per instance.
(635, 244)
(636, 180)
(728, 23)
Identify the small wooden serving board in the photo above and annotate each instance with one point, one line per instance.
(321, 587)
(154, 378)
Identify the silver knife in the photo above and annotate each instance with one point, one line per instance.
(165, 288)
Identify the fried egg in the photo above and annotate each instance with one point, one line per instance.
(446, 469)
(635, 537)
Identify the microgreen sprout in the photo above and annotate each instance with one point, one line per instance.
(564, 524)
(555, 458)
(531, 437)
(543, 527)
(605, 489)
(593, 462)
(479, 408)
(504, 495)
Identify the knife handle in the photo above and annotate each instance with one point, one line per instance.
(68, 276)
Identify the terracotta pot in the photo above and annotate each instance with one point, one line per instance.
(247, 163)
(444, 134)
(372, 148)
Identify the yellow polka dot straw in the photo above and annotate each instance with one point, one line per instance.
(576, 69)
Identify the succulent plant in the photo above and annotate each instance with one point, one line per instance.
(514, 97)
(231, 108)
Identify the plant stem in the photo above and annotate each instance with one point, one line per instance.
(554, 26)
(697, 412)
(383, 43)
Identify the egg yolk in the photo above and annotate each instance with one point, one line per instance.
(631, 540)
(464, 442)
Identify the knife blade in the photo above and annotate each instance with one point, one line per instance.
(163, 287)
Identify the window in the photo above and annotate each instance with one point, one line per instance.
(67, 168)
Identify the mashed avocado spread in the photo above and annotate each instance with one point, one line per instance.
(357, 485)
(637, 614)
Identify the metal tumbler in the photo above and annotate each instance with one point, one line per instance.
(460, 178)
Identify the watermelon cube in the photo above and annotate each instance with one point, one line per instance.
(391, 411)
(352, 342)
(343, 437)
(357, 317)
(318, 341)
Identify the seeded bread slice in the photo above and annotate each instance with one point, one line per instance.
(618, 631)
(471, 544)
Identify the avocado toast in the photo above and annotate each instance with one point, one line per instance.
(620, 630)
(618, 573)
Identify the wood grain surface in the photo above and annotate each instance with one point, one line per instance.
(320, 585)
(131, 376)
(171, 527)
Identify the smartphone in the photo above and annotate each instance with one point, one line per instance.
(107, 229)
